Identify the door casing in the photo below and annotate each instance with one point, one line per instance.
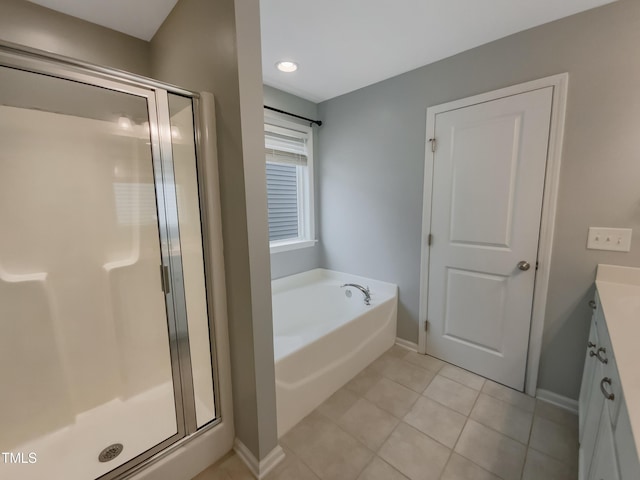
(549, 203)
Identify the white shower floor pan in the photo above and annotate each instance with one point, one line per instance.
(71, 453)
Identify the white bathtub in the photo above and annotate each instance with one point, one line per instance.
(323, 338)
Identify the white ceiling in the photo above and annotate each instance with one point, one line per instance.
(138, 18)
(343, 45)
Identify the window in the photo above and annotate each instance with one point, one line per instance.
(289, 168)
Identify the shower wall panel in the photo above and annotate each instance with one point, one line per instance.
(80, 235)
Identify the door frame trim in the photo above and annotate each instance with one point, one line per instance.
(560, 84)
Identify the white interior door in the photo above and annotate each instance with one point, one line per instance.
(488, 183)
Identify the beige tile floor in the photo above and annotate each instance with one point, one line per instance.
(410, 416)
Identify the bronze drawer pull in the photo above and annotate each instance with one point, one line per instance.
(607, 395)
(602, 358)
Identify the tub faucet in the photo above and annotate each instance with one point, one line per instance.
(366, 291)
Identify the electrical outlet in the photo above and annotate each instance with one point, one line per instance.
(615, 239)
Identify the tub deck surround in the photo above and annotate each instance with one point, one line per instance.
(619, 291)
(323, 337)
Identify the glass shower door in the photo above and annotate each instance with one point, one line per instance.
(88, 343)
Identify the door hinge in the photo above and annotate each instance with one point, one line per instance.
(536, 265)
(164, 279)
(426, 325)
(429, 239)
(433, 144)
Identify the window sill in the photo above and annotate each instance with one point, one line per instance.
(286, 245)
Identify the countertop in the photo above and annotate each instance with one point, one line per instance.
(619, 291)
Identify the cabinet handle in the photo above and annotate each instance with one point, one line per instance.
(607, 395)
(602, 358)
(592, 304)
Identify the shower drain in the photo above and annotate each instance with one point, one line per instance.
(111, 452)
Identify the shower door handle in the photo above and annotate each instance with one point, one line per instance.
(164, 279)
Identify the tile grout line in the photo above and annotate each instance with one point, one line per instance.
(563, 461)
(365, 465)
(383, 460)
(453, 410)
(304, 463)
(449, 378)
(375, 452)
(402, 360)
(526, 455)
(480, 391)
(400, 420)
(458, 439)
(502, 433)
(335, 424)
(552, 458)
(300, 459)
(484, 379)
(437, 372)
(468, 417)
(504, 401)
(452, 450)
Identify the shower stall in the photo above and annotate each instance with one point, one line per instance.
(106, 344)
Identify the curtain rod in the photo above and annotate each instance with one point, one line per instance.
(317, 122)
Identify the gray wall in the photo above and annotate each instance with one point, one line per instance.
(215, 47)
(296, 261)
(34, 26)
(372, 157)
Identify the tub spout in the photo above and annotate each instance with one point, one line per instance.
(365, 291)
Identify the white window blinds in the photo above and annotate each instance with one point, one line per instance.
(285, 149)
(285, 156)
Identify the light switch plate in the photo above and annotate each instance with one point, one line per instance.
(615, 239)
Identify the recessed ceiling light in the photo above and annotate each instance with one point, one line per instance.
(286, 66)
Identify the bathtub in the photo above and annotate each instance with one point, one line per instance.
(324, 335)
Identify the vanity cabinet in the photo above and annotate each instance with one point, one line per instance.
(591, 402)
(588, 376)
(607, 445)
(604, 465)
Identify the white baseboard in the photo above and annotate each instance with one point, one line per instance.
(557, 400)
(260, 469)
(407, 344)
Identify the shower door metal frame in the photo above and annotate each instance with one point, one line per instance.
(156, 94)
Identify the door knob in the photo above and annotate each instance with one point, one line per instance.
(524, 266)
